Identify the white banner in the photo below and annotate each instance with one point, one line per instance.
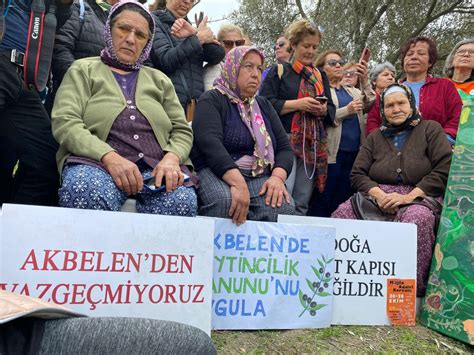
(272, 276)
(368, 253)
(110, 263)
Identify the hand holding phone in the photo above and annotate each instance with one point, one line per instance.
(149, 183)
(365, 56)
(321, 99)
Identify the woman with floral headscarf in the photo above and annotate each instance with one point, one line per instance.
(405, 159)
(118, 122)
(241, 151)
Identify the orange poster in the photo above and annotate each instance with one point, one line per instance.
(401, 300)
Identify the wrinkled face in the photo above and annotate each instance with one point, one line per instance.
(250, 74)
(397, 108)
(464, 57)
(384, 79)
(130, 35)
(305, 51)
(281, 49)
(179, 8)
(232, 39)
(417, 59)
(333, 66)
(349, 76)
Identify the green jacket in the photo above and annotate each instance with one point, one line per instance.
(90, 99)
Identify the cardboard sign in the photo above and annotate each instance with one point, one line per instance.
(272, 276)
(111, 264)
(367, 255)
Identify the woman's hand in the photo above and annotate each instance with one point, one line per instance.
(354, 106)
(205, 34)
(362, 71)
(240, 196)
(275, 189)
(182, 29)
(380, 195)
(309, 104)
(125, 174)
(393, 201)
(168, 169)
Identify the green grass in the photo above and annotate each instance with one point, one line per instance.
(338, 339)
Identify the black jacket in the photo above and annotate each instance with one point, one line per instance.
(76, 40)
(182, 59)
(212, 120)
(277, 91)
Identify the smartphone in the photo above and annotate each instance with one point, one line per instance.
(149, 183)
(321, 99)
(365, 56)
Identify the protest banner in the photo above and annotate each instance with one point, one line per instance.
(112, 264)
(272, 276)
(449, 301)
(368, 254)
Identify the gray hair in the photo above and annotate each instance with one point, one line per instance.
(375, 71)
(448, 66)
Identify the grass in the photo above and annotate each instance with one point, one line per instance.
(338, 339)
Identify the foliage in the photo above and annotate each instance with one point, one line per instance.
(351, 25)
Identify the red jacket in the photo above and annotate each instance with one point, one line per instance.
(439, 101)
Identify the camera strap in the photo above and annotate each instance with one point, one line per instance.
(39, 45)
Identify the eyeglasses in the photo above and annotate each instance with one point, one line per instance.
(231, 44)
(125, 29)
(349, 73)
(279, 45)
(461, 52)
(334, 62)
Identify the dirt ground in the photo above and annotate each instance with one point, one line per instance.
(339, 339)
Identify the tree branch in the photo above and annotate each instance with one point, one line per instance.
(300, 9)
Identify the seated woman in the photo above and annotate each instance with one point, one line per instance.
(241, 151)
(117, 121)
(405, 159)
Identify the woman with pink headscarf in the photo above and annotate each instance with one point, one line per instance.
(241, 151)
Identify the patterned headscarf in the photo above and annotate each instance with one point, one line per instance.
(387, 128)
(108, 54)
(248, 108)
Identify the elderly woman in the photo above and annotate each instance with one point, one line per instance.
(180, 50)
(405, 159)
(459, 67)
(117, 121)
(301, 95)
(230, 36)
(436, 98)
(382, 75)
(241, 151)
(345, 138)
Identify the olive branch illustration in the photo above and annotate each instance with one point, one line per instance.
(317, 288)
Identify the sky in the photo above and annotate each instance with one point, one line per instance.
(215, 10)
